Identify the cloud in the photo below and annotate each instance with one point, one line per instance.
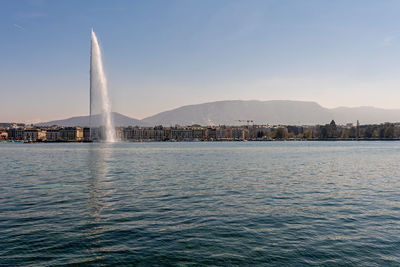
(19, 26)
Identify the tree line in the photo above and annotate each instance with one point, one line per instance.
(334, 131)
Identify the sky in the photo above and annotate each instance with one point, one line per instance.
(161, 55)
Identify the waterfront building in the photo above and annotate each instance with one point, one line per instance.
(32, 134)
(127, 133)
(211, 134)
(181, 133)
(52, 134)
(159, 133)
(16, 133)
(71, 134)
(167, 134)
(148, 133)
(238, 133)
(86, 134)
(199, 133)
(222, 133)
(137, 133)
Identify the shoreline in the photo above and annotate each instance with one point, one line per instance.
(200, 141)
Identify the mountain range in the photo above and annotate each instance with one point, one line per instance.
(234, 112)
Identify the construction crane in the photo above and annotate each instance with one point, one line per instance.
(248, 122)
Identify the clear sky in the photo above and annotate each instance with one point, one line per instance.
(164, 54)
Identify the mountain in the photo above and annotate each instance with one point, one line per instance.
(271, 112)
(261, 112)
(119, 120)
(229, 112)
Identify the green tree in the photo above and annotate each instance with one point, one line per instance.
(389, 131)
(281, 133)
(308, 134)
(323, 131)
(368, 132)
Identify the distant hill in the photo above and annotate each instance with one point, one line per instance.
(119, 120)
(261, 112)
(229, 112)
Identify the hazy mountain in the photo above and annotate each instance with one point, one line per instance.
(119, 120)
(261, 112)
(271, 112)
(229, 112)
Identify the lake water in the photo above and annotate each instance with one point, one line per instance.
(222, 203)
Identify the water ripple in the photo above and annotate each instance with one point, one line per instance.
(272, 203)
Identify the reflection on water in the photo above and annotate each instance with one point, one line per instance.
(98, 170)
(99, 183)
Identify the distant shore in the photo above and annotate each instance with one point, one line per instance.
(198, 133)
(200, 141)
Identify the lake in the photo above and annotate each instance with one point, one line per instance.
(200, 203)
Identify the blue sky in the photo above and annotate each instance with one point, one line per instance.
(164, 54)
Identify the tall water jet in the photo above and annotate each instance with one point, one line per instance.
(100, 105)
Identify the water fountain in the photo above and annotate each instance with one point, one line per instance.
(100, 105)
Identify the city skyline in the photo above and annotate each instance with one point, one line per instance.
(162, 55)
